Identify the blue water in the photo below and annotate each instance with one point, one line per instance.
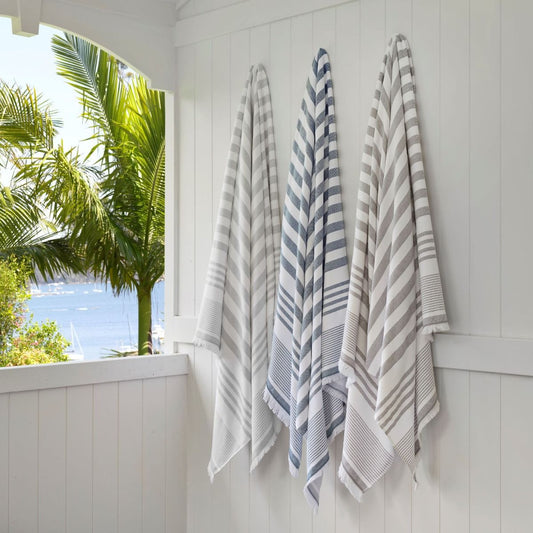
(100, 320)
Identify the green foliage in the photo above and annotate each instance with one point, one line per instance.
(115, 210)
(24, 342)
(105, 211)
(13, 295)
(36, 344)
(27, 130)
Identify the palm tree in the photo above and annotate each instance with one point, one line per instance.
(27, 127)
(112, 203)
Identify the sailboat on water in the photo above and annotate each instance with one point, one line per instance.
(75, 350)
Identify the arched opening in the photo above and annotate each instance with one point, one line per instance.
(107, 32)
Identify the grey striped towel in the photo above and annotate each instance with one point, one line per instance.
(304, 387)
(237, 312)
(395, 303)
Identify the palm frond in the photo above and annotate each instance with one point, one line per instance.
(27, 120)
(26, 233)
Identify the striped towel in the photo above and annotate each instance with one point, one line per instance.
(304, 387)
(237, 312)
(395, 302)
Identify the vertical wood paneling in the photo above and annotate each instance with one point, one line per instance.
(279, 75)
(203, 414)
(372, 509)
(451, 186)
(347, 102)
(52, 449)
(346, 506)
(517, 169)
(222, 126)
(373, 41)
(84, 459)
(186, 293)
(485, 453)
(324, 33)
(130, 447)
(453, 434)
(456, 47)
(4, 463)
(23, 462)
(186, 168)
(153, 448)
(485, 136)
(240, 465)
(176, 454)
(79, 478)
(105, 457)
(516, 446)
(280, 485)
(425, 496)
(171, 213)
(398, 504)
(203, 212)
(399, 18)
(260, 46)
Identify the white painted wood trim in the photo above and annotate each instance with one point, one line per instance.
(242, 16)
(460, 352)
(38, 377)
(26, 23)
(182, 328)
(484, 354)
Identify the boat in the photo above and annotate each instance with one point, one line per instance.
(75, 350)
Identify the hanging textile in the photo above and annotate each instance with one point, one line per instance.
(236, 316)
(395, 303)
(304, 387)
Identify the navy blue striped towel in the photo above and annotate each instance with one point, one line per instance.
(304, 387)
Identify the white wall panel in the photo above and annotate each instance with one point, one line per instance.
(23, 462)
(4, 463)
(450, 187)
(474, 127)
(516, 445)
(485, 453)
(153, 453)
(94, 458)
(105, 457)
(454, 446)
(517, 169)
(485, 167)
(79, 459)
(52, 468)
(222, 129)
(130, 446)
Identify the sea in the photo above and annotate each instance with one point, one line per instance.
(92, 318)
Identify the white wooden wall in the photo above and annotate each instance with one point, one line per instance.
(472, 62)
(105, 456)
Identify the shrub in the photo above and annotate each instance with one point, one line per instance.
(23, 341)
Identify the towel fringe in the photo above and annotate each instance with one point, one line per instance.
(276, 408)
(348, 482)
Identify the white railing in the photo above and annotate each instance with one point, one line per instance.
(94, 446)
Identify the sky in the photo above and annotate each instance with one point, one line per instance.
(30, 61)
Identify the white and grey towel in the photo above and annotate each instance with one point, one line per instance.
(304, 386)
(236, 316)
(395, 303)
